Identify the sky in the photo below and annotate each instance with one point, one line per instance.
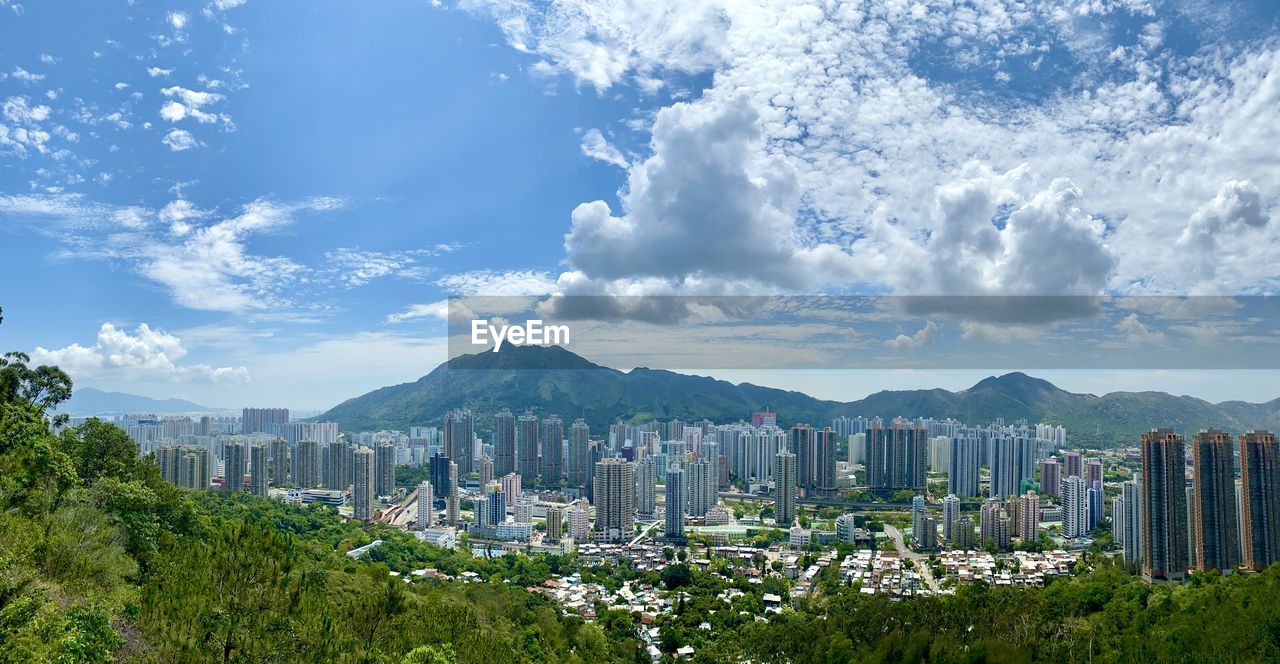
(249, 202)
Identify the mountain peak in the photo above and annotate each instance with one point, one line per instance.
(522, 357)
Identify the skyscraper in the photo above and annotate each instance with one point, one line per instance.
(365, 484)
(1260, 498)
(260, 469)
(279, 462)
(425, 500)
(1073, 464)
(263, 420)
(1214, 515)
(555, 523)
(1075, 508)
(614, 495)
(918, 515)
(1164, 506)
(579, 462)
(527, 434)
(1029, 517)
(1051, 476)
(337, 466)
(512, 486)
(384, 458)
(950, 516)
(897, 457)
(675, 500)
(504, 442)
(646, 486)
(1130, 520)
(552, 465)
(965, 452)
(306, 464)
(452, 500)
(485, 469)
(824, 462)
(993, 524)
(460, 439)
(784, 491)
(702, 493)
(1092, 472)
(800, 441)
(235, 463)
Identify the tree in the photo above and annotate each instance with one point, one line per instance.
(101, 449)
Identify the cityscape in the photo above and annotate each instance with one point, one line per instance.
(659, 332)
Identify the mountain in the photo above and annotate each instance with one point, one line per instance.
(92, 401)
(554, 380)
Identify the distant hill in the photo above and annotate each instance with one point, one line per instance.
(92, 401)
(518, 377)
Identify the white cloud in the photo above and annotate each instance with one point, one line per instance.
(146, 354)
(860, 153)
(177, 19)
(20, 74)
(924, 337)
(48, 59)
(1237, 209)
(155, 72)
(499, 283)
(436, 310)
(356, 267)
(1137, 333)
(180, 139)
(595, 145)
(186, 103)
(24, 133)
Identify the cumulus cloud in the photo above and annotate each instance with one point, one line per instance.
(595, 145)
(924, 337)
(146, 354)
(179, 140)
(177, 19)
(186, 103)
(706, 204)
(873, 171)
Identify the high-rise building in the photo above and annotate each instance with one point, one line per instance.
(784, 491)
(365, 484)
(235, 463)
(1029, 517)
(578, 468)
(504, 442)
(338, 472)
(927, 540)
(1012, 457)
(527, 434)
(523, 510)
(950, 516)
(552, 464)
(1075, 508)
(384, 459)
(555, 524)
(438, 473)
(824, 462)
(1072, 464)
(965, 454)
(1130, 521)
(460, 439)
(512, 486)
(1092, 471)
(485, 469)
(1164, 506)
(496, 507)
(702, 493)
(646, 486)
(857, 448)
(1051, 476)
(614, 496)
(260, 467)
(307, 464)
(263, 420)
(800, 442)
(1096, 502)
(1214, 515)
(963, 534)
(918, 515)
(279, 462)
(1260, 498)
(994, 524)
(897, 456)
(452, 506)
(579, 523)
(675, 502)
(425, 500)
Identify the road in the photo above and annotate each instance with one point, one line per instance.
(921, 562)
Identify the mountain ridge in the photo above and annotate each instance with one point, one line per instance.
(92, 401)
(555, 380)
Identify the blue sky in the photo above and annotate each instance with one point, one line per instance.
(251, 201)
